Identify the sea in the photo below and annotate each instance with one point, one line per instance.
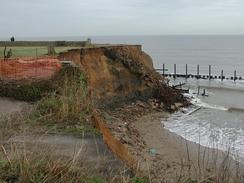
(215, 120)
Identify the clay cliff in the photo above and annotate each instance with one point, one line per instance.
(120, 73)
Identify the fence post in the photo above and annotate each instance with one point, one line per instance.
(198, 90)
(0, 68)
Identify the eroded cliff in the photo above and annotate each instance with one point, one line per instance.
(121, 73)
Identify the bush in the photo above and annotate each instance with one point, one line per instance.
(69, 101)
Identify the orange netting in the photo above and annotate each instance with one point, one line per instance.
(21, 68)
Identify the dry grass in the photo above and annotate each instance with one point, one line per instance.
(69, 101)
(20, 164)
(212, 166)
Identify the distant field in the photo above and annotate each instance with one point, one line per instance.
(32, 51)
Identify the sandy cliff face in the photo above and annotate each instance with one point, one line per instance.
(116, 73)
(113, 71)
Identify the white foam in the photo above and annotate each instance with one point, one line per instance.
(198, 102)
(216, 126)
(191, 128)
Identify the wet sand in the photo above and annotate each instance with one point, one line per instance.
(171, 158)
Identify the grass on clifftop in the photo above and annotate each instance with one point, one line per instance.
(22, 51)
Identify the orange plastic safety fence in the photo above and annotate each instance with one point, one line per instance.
(37, 68)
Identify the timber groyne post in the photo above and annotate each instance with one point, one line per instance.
(235, 75)
(198, 71)
(209, 72)
(186, 71)
(197, 75)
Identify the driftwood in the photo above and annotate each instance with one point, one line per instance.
(178, 85)
(197, 109)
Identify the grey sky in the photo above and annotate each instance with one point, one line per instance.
(120, 17)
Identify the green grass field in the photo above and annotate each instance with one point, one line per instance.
(32, 51)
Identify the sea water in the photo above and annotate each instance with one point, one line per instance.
(219, 122)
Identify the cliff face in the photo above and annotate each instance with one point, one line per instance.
(116, 73)
(120, 73)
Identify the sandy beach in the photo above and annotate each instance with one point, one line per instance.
(170, 158)
(164, 156)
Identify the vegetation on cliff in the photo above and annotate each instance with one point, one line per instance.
(65, 108)
(64, 104)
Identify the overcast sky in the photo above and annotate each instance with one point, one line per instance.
(120, 17)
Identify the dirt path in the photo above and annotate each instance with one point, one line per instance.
(8, 106)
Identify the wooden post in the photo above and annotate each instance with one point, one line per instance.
(222, 75)
(163, 69)
(186, 72)
(198, 71)
(204, 92)
(198, 90)
(4, 52)
(235, 75)
(174, 70)
(209, 72)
